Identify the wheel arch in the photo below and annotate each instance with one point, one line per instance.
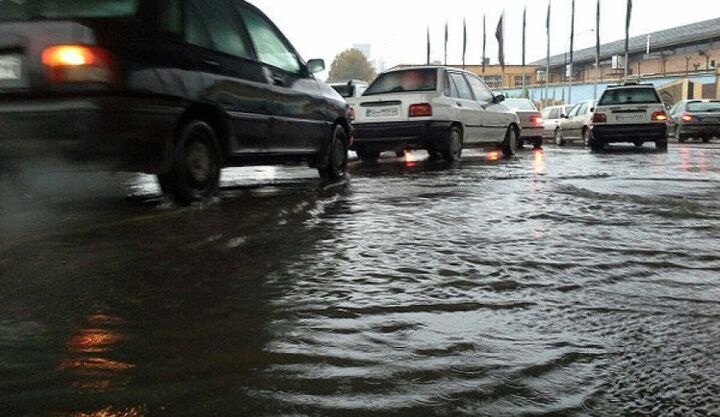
(213, 116)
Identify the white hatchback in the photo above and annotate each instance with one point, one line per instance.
(630, 113)
(438, 109)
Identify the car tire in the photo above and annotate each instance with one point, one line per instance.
(596, 145)
(509, 145)
(678, 135)
(538, 144)
(454, 148)
(559, 139)
(638, 143)
(521, 144)
(400, 153)
(661, 145)
(195, 167)
(434, 155)
(586, 137)
(337, 158)
(368, 155)
(706, 139)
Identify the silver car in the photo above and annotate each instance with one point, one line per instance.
(577, 125)
(552, 116)
(531, 121)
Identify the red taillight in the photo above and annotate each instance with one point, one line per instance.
(687, 118)
(537, 121)
(659, 116)
(599, 118)
(421, 110)
(77, 64)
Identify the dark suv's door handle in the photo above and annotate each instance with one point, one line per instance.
(211, 63)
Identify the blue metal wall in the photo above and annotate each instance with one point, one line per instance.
(582, 92)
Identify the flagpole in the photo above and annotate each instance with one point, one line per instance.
(503, 41)
(572, 57)
(523, 47)
(547, 68)
(464, 42)
(627, 37)
(428, 45)
(597, 51)
(484, 44)
(446, 42)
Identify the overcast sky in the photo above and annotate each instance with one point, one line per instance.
(396, 28)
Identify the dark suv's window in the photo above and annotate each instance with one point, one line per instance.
(58, 9)
(270, 46)
(215, 25)
(620, 96)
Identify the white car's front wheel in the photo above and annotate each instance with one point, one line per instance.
(510, 144)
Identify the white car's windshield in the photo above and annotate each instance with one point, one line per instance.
(629, 96)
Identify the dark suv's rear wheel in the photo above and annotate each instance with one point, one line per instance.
(336, 165)
(195, 167)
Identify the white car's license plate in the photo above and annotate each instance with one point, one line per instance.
(630, 117)
(383, 112)
(10, 68)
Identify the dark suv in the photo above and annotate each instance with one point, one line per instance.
(177, 88)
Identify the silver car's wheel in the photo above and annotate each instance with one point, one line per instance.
(586, 137)
(559, 139)
(454, 145)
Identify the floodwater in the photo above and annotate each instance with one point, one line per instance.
(562, 283)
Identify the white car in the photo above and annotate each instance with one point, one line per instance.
(631, 113)
(575, 125)
(441, 110)
(350, 89)
(531, 121)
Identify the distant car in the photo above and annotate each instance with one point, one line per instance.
(350, 89)
(180, 89)
(552, 116)
(576, 125)
(698, 119)
(438, 109)
(631, 113)
(531, 121)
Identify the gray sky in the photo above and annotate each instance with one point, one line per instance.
(396, 28)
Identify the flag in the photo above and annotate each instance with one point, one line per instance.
(428, 45)
(500, 35)
(547, 24)
(447, 37)
(484, 42)
(597, 34)
(547, 68)
(523, 35)
(464, 42)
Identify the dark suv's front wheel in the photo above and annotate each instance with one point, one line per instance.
(337, 157)
(195, 167)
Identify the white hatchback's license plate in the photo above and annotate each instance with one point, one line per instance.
(630, 117)
(383, 112)
(10, 68)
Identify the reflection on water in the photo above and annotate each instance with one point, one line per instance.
(557, 283)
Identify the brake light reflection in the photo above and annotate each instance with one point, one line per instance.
(493, 155)
(539, 161)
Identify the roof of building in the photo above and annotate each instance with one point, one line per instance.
(693, 32)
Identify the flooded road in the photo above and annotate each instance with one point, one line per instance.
(561, 283)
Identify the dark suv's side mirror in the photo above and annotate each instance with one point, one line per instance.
(315, 65)
(499, 98)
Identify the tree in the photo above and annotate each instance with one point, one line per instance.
(351, 65)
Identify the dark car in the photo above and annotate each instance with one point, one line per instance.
(177, 88)
(698, 119)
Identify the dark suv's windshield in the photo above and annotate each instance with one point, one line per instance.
(23, 10)
(622, 96)
(404, 81)
(704, 107)
(345, 90)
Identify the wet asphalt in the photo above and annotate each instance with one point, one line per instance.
(557, 283)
